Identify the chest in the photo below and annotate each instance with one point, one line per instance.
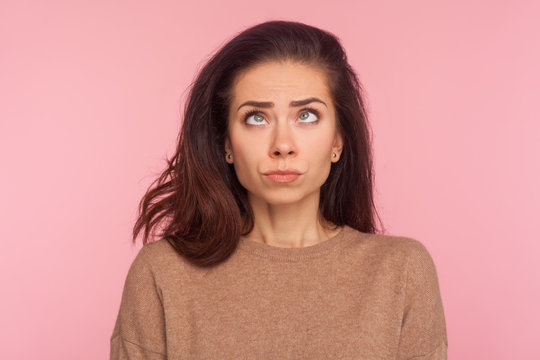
(287, 312)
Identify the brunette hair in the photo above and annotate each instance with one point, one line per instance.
(199, 202)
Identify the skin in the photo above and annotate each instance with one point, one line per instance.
(283, 137)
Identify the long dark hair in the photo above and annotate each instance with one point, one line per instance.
(198, 201)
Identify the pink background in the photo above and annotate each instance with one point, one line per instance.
(90, 103)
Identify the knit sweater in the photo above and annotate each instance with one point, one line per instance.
(353, 296)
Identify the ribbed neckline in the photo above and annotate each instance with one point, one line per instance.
(293, 254)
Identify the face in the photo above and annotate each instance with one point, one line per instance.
(283, 134)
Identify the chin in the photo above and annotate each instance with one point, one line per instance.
(283, 197)
(282, 201)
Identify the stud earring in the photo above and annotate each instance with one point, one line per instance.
(229, 156)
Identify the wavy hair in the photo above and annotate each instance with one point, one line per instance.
(198, 202)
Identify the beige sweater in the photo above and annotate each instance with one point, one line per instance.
(353, 296)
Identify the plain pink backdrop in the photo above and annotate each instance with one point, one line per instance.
(91, 96)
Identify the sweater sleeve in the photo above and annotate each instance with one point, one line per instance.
(423, 330)
(139, 332)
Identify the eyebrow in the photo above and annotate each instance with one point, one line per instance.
(269, 104)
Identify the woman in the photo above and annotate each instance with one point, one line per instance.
(268, 248)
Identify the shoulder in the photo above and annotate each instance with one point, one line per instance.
(157, 252)
(401, 258)
(410, 257)
(159, 261)
(388, 246)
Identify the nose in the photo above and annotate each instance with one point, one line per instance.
(282, 141)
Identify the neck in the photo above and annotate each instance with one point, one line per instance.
(289, 225)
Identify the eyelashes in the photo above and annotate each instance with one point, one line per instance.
(250, 114)
(305, 110)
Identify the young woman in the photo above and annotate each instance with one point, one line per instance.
(268, 246)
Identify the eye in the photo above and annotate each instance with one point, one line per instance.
(308, 116)
(254, 118)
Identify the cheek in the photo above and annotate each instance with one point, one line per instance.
(244, 148)
(245, 158)
(318, 148)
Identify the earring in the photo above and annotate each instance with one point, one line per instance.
(229, 156)
(334, 155)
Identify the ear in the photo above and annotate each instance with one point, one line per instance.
(337, 147)
(228, 151)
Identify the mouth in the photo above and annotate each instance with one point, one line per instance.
(282, 176)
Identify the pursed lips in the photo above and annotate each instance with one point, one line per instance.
(282, 176)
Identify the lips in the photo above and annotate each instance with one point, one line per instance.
(282, 176)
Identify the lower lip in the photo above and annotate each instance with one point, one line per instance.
(283, 179)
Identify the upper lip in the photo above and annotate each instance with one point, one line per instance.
(283, 172)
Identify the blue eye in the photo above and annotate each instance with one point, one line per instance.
(308, 116)
(254, 118)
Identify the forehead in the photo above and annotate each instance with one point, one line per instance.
(283, 79)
